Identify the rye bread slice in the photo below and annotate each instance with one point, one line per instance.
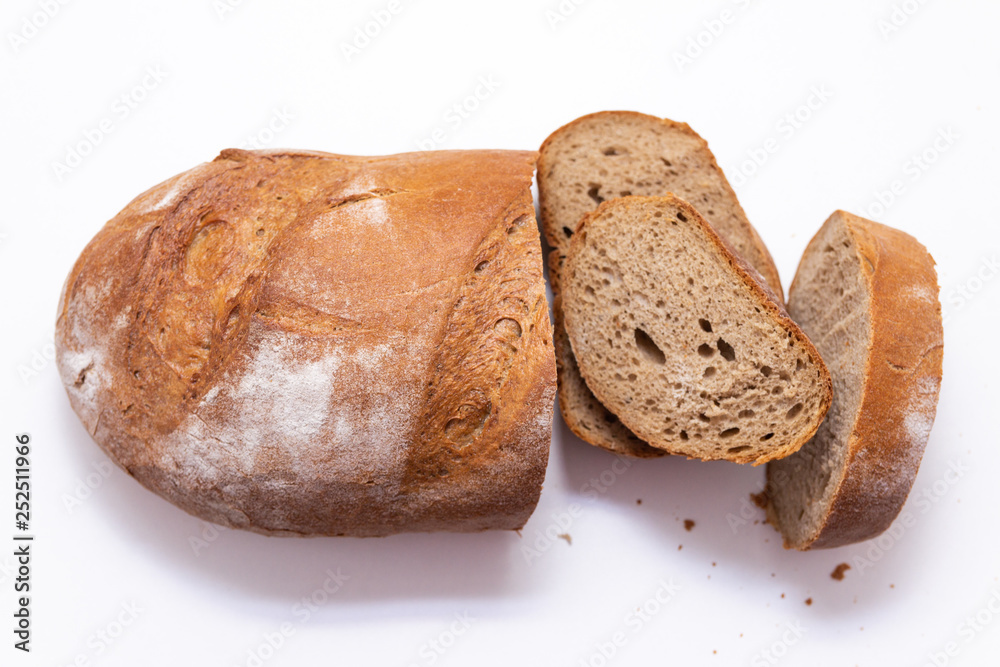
(680, 338)
(605, 155)
(867, 294)
(614, 154)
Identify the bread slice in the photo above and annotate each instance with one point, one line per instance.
(581, 410)
(620, 153)
(605, 155)
(680, 338)
(868, 296)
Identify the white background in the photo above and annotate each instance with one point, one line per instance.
(887, 96)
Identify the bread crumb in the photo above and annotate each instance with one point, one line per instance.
(567, 537)
(759, 499)
(809, 601)
(680, 546)
(713, 563)
(782, 596)
(688, 525)
(638, 501)
(838, 572)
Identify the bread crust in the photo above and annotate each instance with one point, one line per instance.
(902, 381)
(295, 342)
(763, 295)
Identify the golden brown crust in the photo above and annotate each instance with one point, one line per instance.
(753, 281)
(307, 343)
(902, 383)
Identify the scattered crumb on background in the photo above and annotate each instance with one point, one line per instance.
(809, 601)
(688, 524)
(838, 572)
(567, 537)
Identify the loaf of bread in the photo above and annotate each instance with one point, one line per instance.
(612, 154)
(867, 294)
(682, 340)
(307, 343)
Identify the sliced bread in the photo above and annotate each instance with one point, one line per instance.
(682, 340)
(615, 153)
(868, 296)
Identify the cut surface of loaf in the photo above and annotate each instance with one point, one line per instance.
(679, 339)
(867, 294)
(616, 153)
(295, 342)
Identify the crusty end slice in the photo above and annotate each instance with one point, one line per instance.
(868, 296)
(673, 333)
